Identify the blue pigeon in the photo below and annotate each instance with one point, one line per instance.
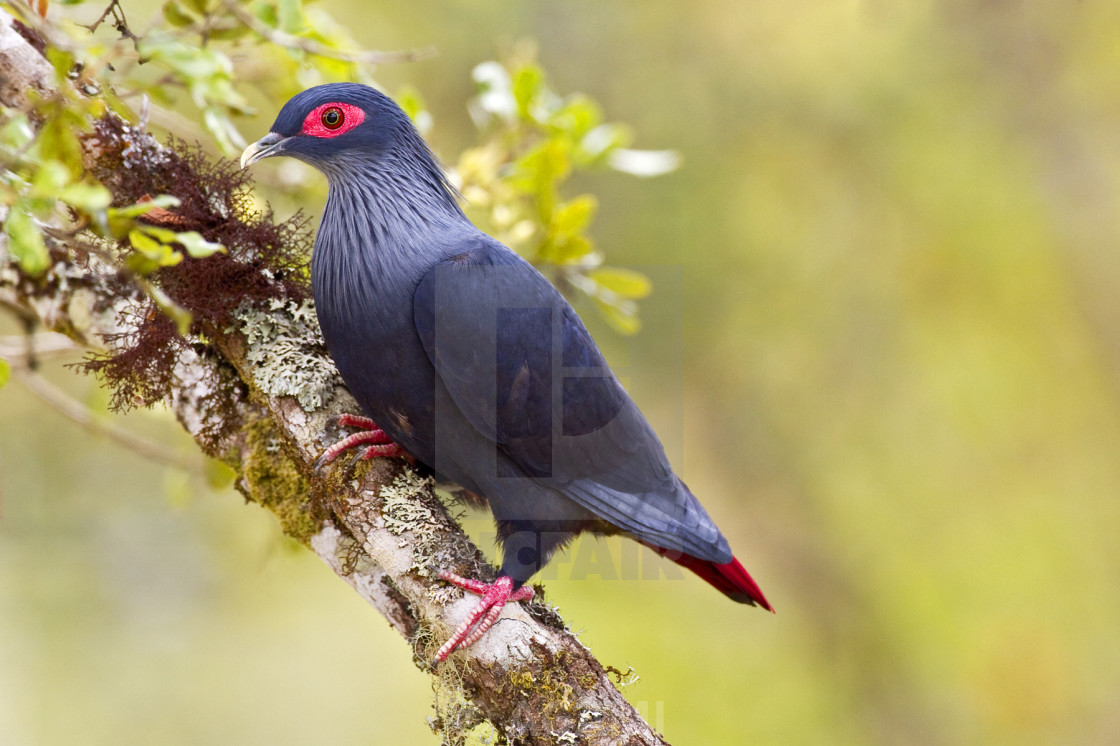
(469, 361)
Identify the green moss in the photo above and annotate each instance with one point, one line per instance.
(522, 679)
(548, 689)
(272, 479)
(555, 692)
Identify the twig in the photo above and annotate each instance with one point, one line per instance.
(25, 351)
(310, 46)
(68, 407)
(120, 23)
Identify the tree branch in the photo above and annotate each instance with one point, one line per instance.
(56, 399)
(377, 524)
(310, 46)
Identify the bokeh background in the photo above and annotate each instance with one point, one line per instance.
(883, 347)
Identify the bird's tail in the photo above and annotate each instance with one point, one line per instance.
(731, 579)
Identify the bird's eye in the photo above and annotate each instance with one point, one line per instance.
(332, 118)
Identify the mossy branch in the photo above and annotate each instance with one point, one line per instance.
(252, 384)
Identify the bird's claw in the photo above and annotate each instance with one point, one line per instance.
(380, 444)
(494, 597)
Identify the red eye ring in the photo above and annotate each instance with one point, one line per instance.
(332, 118)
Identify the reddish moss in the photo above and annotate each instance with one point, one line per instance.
(264, 260)
(140, 370)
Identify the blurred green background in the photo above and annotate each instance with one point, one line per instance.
(887, 281)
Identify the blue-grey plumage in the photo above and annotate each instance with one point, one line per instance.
(470, 359)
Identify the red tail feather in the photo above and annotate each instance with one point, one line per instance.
(731, 579)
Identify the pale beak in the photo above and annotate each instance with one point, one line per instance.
(269, 145)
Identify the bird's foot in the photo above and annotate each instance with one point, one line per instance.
(494, 596)
(380, 443)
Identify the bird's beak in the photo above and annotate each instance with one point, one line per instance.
(269, 145)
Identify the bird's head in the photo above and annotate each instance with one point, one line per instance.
(329, 125)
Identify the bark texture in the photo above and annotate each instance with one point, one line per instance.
(378, 524)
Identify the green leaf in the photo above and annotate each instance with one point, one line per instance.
(577, 117)
(136, 210)
(177, 16)
(565, 250)
(49, 178)
(145, 244)
(156, 243)
(223, 130)
(543, 166)
(409, 99)
(61, 61)
(413, 104)
(527, 84)
(623, 318)
(25, 242)
(208, 75)
(140, 265)
(163, 235)
(121, 220)
(201, 7)
(518, 173)
(219, 475)
(197, 246)
(622, 282)
(573, 216)
(290, 16)
(5, 372)
(175, 312)
(58, 139)
(16, 133)
(89, 197)
(266, 14)
(229, 32)
(151, 254)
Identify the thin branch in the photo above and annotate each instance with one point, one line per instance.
(310, 46)
(68, 407)
(27, 350)
(110, 8)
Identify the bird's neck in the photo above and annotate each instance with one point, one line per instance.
(396, 193)
(383, 227)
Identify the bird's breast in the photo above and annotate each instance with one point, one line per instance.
(366, 315)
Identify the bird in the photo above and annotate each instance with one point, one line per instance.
(465, 358)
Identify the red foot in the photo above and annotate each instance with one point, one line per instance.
(371, 433)
(494, 596)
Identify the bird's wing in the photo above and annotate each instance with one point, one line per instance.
(522, 368)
